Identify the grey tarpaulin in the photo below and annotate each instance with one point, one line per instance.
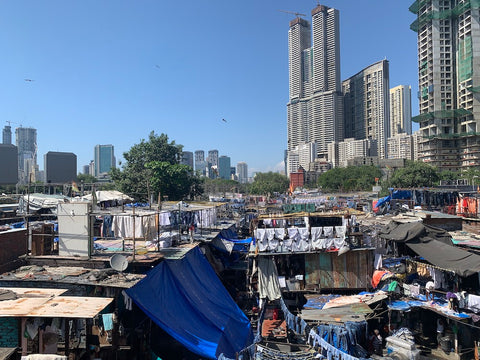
(268, 285)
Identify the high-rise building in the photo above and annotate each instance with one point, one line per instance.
(212, 164)
(242, 172)
(400, 110)
(187, 158)
(401, 146)
(346, 150)
(8, 164)
(213, 157)
(366, 97)
(7, 135)
(104, 160)
(224, 167)
(302, 155)
(200, 163)
(60, 167)
(315, 107)
(26, 141)
(448, 42)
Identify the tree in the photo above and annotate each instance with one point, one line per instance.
(268, 183)
(86, 178)
(352, 178)
(135, 178)
(176, 181)
(415, 174)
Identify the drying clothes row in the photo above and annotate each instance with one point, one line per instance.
(467, 205)
(326, 350)
(300, 239)
(204, 218)
(294, 322)
(142, 227)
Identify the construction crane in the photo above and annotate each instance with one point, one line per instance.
(297, 14)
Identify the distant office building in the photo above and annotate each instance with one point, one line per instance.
(213, 157)
(26, 141)
(60, 167)
(242, 172)
(224, 167)
(7, 135)
(315, 106)
(233, 173)
(400, 110)
(401, 146)
(85, 169)
(448, 43)
(8, 164)
(187, 158)
(343, 151)
(301, 155)
(104, 160)
(367, 105)
(91, 168)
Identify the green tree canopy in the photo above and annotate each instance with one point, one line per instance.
(176, 181)
(265, 183)
(415, 174)
(135, 178)
(351, 178)
(86, 178)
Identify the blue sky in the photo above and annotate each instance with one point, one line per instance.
(112, 71)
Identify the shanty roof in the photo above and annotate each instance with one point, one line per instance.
(48, 304)
(435, 246)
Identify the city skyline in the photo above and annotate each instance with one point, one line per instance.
(114, 84)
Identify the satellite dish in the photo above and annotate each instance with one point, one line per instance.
(118, 262)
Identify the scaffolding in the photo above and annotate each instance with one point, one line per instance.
(439, 15)
(442, 114)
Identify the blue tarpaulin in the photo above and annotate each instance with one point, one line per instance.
(187, 300)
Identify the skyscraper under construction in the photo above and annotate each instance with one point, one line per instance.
(449, 82)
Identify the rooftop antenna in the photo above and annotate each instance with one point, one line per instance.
(297, 14)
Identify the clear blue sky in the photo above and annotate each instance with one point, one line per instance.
(111, 71)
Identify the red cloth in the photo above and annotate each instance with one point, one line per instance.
(377, 277)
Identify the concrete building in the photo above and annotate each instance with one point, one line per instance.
(26, 141)
(448, 42)
(8, 164)
(187, 158)
(7, 135)
(224, 167)
(367, 105)
(60, 167)
(401, 146)
(302, 155)
(400, 110)
(242, 172)
(104, 160)
(315, 107)
(343, 151)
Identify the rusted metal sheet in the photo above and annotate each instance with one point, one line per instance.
(71, 307)
(329, 271)
(35, 292)
(47, 303)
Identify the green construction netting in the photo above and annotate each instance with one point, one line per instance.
(442, 114)
(417, 5)
(474, 89)
(465, 59)
(452, 136)
(436, 15)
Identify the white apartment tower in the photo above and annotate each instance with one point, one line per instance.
(315, 107)
(401, 146)
(367, 105)
(401, 110)
(449, 82)
(242, 172)
(26, 141)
